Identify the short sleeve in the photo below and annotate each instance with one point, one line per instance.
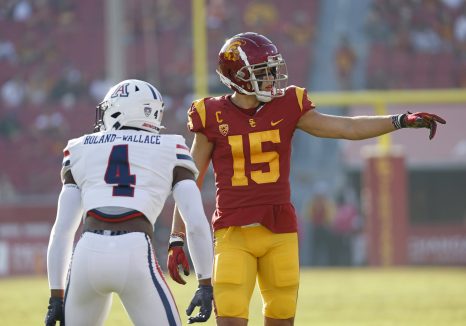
(307, 103)
(66, 163)
(184, 158)
(304, 101)
(70, 154)
(197, 116)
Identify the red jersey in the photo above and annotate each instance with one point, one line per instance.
(251, 157)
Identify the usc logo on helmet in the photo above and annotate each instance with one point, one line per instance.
(231, 51)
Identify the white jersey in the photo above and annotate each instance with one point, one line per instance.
(126, 168)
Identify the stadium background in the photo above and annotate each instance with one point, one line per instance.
(57, 58)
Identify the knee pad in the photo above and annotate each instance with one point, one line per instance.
(231, 303)
(279, 282)
(232, 288)
(281, 304)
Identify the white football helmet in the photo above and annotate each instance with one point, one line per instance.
(130, 103)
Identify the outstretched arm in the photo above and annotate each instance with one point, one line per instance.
(363, 127)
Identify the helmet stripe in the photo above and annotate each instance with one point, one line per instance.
(154, 92)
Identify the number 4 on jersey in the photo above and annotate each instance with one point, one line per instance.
(118, 172)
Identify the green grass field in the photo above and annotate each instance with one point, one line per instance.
(363, 297)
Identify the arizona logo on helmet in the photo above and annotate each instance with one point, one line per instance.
(231, 52)
(122, 91)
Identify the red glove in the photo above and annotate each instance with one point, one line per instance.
(418, 120)
(177, 257)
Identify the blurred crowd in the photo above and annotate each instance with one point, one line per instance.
(417, 44)
(429, 26)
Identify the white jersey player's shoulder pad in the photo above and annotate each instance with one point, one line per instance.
(182, 152)
(174, 140)
(76, 141)
(73, 142)
(70, 150)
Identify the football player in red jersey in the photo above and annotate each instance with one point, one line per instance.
(248, 135)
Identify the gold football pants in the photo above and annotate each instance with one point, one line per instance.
(243, 254)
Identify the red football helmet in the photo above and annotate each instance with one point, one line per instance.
(247, 60)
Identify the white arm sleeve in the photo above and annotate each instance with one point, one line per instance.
(69, 212)
(188, 200)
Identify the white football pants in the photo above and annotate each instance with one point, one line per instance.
(124, 264)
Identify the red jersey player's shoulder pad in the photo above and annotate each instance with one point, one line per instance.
(201, 109)
(197, 114)
(301, 95)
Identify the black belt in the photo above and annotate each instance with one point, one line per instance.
(107, 232)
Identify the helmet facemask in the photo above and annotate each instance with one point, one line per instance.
(273, 74)
(99, 116)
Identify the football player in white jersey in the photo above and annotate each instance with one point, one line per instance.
(116, 181)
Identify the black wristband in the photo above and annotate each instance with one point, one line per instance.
(175, 244)
(398, 121)
(55, 299)
(176, 240)
(205, 286)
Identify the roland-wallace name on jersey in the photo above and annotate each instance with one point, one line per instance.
(109, 138)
